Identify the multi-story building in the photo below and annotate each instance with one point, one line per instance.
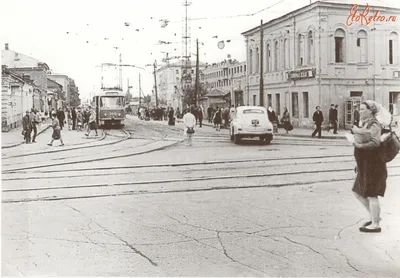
(64, 80)
(322, 54)
(229, 77)
(169, 83)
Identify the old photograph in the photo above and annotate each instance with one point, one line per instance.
(200, 138)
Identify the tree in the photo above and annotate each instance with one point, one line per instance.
(147, 100)
(73, 94)
(189, 95)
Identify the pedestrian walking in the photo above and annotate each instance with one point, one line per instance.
(36, 120)
(27, 127)
(318, 118)
(356, 116)
(171, 117)
(200, 115)
(92, 125)
(61, 117)
(333, 119)
(189, 121)
(273, 118)
(287, 125)
(218, 119)
(371, 172)
(56, 130)
(74, 120)
(79, 120)
(209, 113)
(69, 117)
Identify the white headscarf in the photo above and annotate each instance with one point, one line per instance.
(381, 113)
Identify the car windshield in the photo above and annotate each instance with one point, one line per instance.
(112, 102)
(253, 111)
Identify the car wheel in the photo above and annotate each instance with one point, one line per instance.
(236, 139)
(232, 135)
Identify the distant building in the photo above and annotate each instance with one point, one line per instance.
(229, 77)
(317, 55)
(169, 83)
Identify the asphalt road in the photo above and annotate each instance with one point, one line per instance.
(149, 205)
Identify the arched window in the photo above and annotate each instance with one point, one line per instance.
(393, 48)
(257, 61)
(268, 57)
(340, 46)
(300, 50)
(362, 51)
(310, 48)
(251, 61)
(276, 55)
(286, 54)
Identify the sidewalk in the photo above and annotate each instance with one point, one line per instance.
(298, 132)
(70, 137)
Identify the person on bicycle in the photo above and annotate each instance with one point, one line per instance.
(189, 121)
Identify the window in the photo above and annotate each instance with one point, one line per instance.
(253, 111)
(244, 68)
(276, 53)
(241, 69)
(300, 50)
(269, 62)
(286, 54)
(251, 61)
(269, 100)
(362, 52)
(306, 108)
(295, 105)
(393, 51)
(257, 60)
(112, 102)
(278, 104)
(356, 94)
(339, 46)
(254, 100)
(310, 48)
(177, 71)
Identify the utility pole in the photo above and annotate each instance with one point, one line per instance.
(155, 83)
(140, 101)
(261, 65)
(197, 89)
(120, 71)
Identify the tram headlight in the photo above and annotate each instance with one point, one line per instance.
(119, 114)
(105, 114)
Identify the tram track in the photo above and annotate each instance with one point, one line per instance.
(175, 185)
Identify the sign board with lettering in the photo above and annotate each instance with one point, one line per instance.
(301, 74)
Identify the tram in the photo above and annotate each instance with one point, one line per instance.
(110, 108)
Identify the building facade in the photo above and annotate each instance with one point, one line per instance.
(169, 84)
(320, 54)
(17, 96)
(229, 77)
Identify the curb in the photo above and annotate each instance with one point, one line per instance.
(20, 143)
(330, 137)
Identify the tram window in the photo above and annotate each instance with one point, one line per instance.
(112, 102)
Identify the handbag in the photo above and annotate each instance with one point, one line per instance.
(190, 130)
(390, 146)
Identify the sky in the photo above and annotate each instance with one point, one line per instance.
(75, 37)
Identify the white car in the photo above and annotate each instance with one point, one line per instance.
(250, 122)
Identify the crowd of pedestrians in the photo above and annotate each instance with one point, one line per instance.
(78, 119)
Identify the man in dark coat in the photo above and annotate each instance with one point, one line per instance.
(61, 117)
(333, 118)
(318, 118)
(209, 113)
(27, 126)
(73, 118)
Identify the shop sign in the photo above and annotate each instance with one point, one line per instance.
(301, 74)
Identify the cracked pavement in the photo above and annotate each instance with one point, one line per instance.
(300, 230)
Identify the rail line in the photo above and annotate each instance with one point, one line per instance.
(111, 187)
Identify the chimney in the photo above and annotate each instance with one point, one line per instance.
(6, 46)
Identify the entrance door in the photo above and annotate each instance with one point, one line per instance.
(349, 111)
